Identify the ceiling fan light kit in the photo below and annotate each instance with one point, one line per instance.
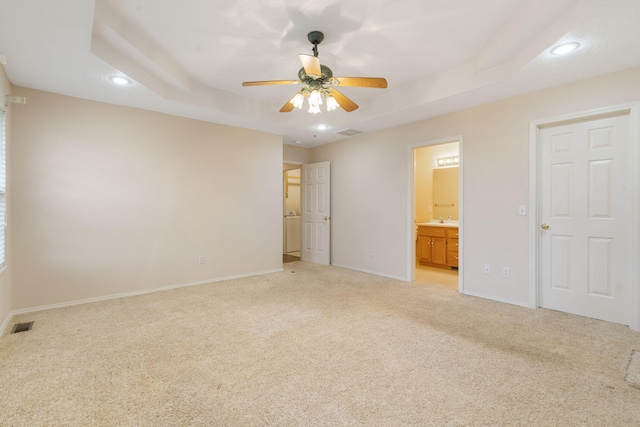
(319, 84)
(315, 99)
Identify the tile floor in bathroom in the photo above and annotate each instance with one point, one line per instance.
(436, 275)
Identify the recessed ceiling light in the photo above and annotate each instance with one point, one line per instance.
(119, 80)
(322, 127)
(565, 48)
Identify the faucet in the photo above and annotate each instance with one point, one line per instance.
(440, 220)
(449, 219)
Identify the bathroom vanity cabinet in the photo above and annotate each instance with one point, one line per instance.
(438, 246)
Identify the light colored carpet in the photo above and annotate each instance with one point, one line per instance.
(315, 346)
(633, 370)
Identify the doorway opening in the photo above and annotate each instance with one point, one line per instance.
(307, 212)
(435, 212)
(291, 230)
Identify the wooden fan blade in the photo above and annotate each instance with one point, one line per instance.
(311, 65)
(272, 82)
(288, 107)
(376, 82)
(344, 102)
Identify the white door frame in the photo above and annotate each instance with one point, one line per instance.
(633, 110)
(411, 211)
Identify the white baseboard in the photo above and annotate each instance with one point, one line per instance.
(504, 300)
(377, 273)
(404, 279)
(5, 323)
(134, 293)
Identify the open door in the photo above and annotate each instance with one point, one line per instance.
(316, 213)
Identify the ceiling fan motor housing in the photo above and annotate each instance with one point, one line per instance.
(326, 72)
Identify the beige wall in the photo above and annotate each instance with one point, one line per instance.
(6, 295)
(295, 155)
(370, 184)
(113, 200)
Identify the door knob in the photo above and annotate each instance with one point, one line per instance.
(326, 218)
(544, 226)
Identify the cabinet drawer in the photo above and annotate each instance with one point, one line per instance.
(432, 231)
(452, 232)
(452, 259)
(452, 251)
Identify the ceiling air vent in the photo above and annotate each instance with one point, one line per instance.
(348, 132)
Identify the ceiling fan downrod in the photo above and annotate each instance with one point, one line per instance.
(315, 37)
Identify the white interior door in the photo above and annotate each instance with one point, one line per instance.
(316, 211)
(584, 219)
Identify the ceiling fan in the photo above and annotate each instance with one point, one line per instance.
(318, 82)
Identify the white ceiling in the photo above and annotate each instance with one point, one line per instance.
(189, 58)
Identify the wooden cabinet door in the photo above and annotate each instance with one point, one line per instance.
(424, 249)
(439, 250)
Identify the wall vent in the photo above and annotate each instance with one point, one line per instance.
(348, 132)
(16, 99)
(21, 327)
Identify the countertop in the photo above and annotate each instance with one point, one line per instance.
(452, 224)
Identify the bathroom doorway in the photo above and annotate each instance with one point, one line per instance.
(291, 229)
(436, 209)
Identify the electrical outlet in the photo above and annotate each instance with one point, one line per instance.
(487, 269)
(201, 259)
(372, 252)
(505, 272)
